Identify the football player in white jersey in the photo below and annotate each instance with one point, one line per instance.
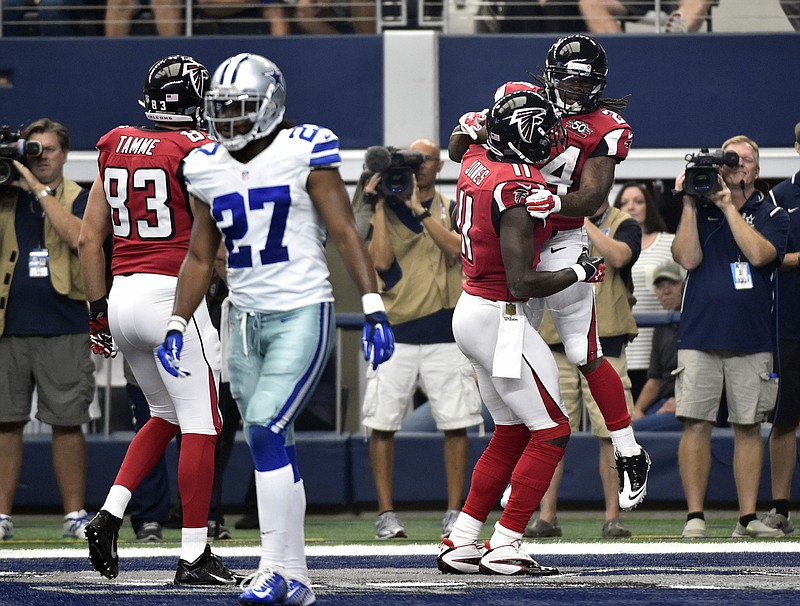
(273, 192)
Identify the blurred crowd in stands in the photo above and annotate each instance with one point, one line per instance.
(331, 17)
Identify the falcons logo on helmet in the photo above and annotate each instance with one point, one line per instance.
(528, 121)
(196, 73)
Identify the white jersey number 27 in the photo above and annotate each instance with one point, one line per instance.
(236, 216)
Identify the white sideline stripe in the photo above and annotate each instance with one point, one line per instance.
(682, 547)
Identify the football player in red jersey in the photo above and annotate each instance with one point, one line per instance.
(140, 197)
(579, 176)
(517, 374)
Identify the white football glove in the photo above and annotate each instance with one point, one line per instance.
(541, 203)
(472, 122)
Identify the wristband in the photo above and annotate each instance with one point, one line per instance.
(178, 323)
(579, 271)
(371, 302)
(423, 215)
(44, 193)
(98, 306)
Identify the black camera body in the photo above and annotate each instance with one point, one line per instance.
(396, 167)
(14, 147)
(702, 170)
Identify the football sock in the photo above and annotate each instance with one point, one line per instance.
(193, 543)
(503, 536)
(144, 451)
(529, 481)
(781, 506)
(465, 530)
(607, 390)
(117, 500)
(493, 470)
(625, 442)
(296, 566)
(196, 478)
(273, 491)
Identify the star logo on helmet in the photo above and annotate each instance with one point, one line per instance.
(527, 120)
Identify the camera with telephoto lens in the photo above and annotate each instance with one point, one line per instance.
(702, 170)
(396, 167)
(14, 147)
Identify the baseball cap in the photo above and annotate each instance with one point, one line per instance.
(669, 270)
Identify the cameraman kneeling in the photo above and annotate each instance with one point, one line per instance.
(44, 322)
(731, 241)
(416, 253)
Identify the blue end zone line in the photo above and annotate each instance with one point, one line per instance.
(537, 549)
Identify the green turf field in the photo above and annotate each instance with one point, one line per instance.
(33, 530)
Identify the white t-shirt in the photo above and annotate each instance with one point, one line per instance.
(638, 350)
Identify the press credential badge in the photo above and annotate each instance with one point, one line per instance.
(38, 263)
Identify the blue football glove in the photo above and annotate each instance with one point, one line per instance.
(377, 338)
(169, 354)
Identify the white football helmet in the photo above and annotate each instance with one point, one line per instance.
(246, 100)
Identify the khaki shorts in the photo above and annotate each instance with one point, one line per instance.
(750, 389)
(440, 370)
(60, 368)
(575, 391)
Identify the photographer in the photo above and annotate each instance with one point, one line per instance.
(43, 322)
(731, 241)
(416, 253)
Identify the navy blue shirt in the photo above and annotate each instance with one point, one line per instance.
(34, 307)
(715, 315)
(786, 194)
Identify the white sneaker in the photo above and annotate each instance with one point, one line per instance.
(756, 530)
(6, 527)
(463, 559)
(447, 522)
(694, 529)
(511, 560)
(387, 526)
(75, 524)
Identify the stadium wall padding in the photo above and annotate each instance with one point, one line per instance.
(686, 91)
(337, 473)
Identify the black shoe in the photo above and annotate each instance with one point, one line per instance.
(207, 569)
(149, 532)
(217, 531)
(248, 522)
(633, 472)
(102, 534)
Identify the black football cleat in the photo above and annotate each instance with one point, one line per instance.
(102, 534)
(207, 569)
(633, 472)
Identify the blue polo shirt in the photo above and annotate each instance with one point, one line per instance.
(786, 194)
(715, 315)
